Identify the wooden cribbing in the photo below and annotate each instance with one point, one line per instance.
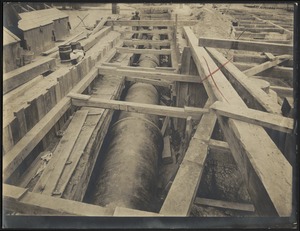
(16, 78)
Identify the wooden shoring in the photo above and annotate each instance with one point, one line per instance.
(185, 185)
(144, 51)
(146, 42)
(22, 201)
(15, 78)
(264, 66)
(269, 185)
(264, 119)
(250, 92)
(23, 148)
(145, 73)
(81, 100)
(150, 22)
(245, 45)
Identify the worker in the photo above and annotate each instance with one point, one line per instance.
(135, 17)
(77, 55)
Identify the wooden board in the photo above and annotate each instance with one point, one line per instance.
(86, 101)
(146, 42)
(150, 81)
(224, 204)
(150, 23)
(137, 72)
(144, 51)
(245, 45)
(185, 185)
(16, 78)
(264, 66)
(275, 122)
(21, 201)
(167, 154)
(53, 171)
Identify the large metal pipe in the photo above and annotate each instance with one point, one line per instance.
(129, 170)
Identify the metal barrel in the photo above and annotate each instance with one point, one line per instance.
(129, 168)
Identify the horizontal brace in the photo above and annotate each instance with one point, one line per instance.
(141, 73)
(272, 121)
(84, 101)
(146, 42)
(274, 48)
(150, 81)
(150, 22)
(144, 51)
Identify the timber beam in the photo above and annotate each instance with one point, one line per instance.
(144, 51)
(268, 120)
(22, 201)
(142, 73)
(81, 100)
(247, 89)
(146, 42)
(269, 185)
(150, 22)
(245, 45)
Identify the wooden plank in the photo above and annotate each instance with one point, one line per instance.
(224, 204)
(258, 30)
(85, 101)
(166, 153)
(148, 32)
(76, 154)
(21, 201)
(150, 81)
(264, 66)
(185, 185)
(99, 25)
(218, 145)
(270, 56)
(127, 212)
(275, 122)
(22, 75)
(137, 72)
(144, 51)
(165, 125)
(245, 45)
(150, 22)
(269, 186)
(283, 91)
(50, 176)
(20, 151)
(146, 42)
(20, 115)
(7, 139)
(31, 114)
(247, 89)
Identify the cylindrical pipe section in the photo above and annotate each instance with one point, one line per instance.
(130, 167)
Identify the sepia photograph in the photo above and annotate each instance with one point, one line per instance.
(149, 115)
